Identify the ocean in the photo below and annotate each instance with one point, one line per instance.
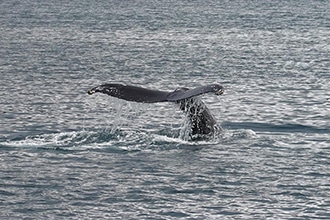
(69, 155)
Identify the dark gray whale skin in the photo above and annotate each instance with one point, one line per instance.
(201, 120)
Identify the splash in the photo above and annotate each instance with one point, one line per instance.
(63, 140)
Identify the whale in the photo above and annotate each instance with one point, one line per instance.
(202, 122)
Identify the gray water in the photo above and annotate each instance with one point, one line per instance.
(67, 155)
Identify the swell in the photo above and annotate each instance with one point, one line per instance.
(270, 127)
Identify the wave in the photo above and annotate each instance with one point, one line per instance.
(269, 127)
(122, 140)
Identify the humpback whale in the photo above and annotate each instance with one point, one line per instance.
(201, 120)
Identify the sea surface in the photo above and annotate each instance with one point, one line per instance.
(65, 154)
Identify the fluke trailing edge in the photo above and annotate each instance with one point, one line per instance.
(201, 120)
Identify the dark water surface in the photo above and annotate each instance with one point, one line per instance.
(67, 155)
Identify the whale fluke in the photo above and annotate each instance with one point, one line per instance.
(201, 120)
(139, 94)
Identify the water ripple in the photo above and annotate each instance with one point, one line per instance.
(65, 154)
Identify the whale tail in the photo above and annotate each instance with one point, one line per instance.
(201, 120)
